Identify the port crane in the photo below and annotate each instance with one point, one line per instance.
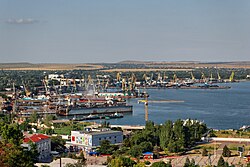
(192, 76)
(231, 78)
(28, 93)
(203, 77)
(218, 75)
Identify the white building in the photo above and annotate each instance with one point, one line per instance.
(43, 144)
(91, 139)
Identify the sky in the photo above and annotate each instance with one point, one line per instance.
(109, 31)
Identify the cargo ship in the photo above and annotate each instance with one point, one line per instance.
(98, 110)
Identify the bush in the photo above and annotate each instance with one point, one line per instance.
(147, 163)
(204, 152)
(226, 152)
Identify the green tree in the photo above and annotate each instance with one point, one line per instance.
(116, 162)
(47, 120)
(34, 152)
(127, 162)
(58, 144)
(179, 134)
(13, 155)
(187, 162)
(221, 162)
(34, 117)
(226, 152)
(192, 163)
(173, 146)
(204, 152)
(11, 134)
(146, 146)
(105, 147)
(166, 134)
(135, 151)
(140, 164)
(161, 164)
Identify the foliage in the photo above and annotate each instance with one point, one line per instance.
(10, 133)
(221, 163)
(189, 163)
(58, 144)
(47, 120)
(204, 152)
(77, 164)
(135, 151)
(121, 161)
(12, 154)
(47, 131)
(140, 164)
(34, 152)
(146, 146)
(161, 164)
(34, 117)
(226, 152)
(106, 147)
(177, 136)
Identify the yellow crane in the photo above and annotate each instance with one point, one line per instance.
(118, 77)
(219, 77)
(203, 77)
(27, 92)
(123, 84)
(192, 76)
(231, 78)
(175, 78)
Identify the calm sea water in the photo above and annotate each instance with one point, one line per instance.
(219, 109)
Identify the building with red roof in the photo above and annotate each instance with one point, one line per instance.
(43, 144)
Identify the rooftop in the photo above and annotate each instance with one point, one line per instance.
(35, 138)
(97, 132)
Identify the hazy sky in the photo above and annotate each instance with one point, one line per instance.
(86, 31)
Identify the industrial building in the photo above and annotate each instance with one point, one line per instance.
(90, 139)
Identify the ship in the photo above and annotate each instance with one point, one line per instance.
(112, 109)
(95, 117)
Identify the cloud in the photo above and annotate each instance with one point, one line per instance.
(22, 21)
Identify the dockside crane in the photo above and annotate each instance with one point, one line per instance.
(192, 76)
(27, 92)
(203, 77)
(218, 75)
(231, 78)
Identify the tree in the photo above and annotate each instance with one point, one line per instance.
(135, 151)
(11, 134)
(82, 159)
(58, 144)
(34, 117)
(116, 162)
(166, 134)
(127, 162)
(121, 161)
(179, 134)
(146, 146)
(47, 120)
(161, 164)
(204, 152)
(34, 152)
(187, 162)
(221, 162)
(13, 155)
(140, 164)
(192, 163)
(173, 147)
(226, 152)
(105, 147)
